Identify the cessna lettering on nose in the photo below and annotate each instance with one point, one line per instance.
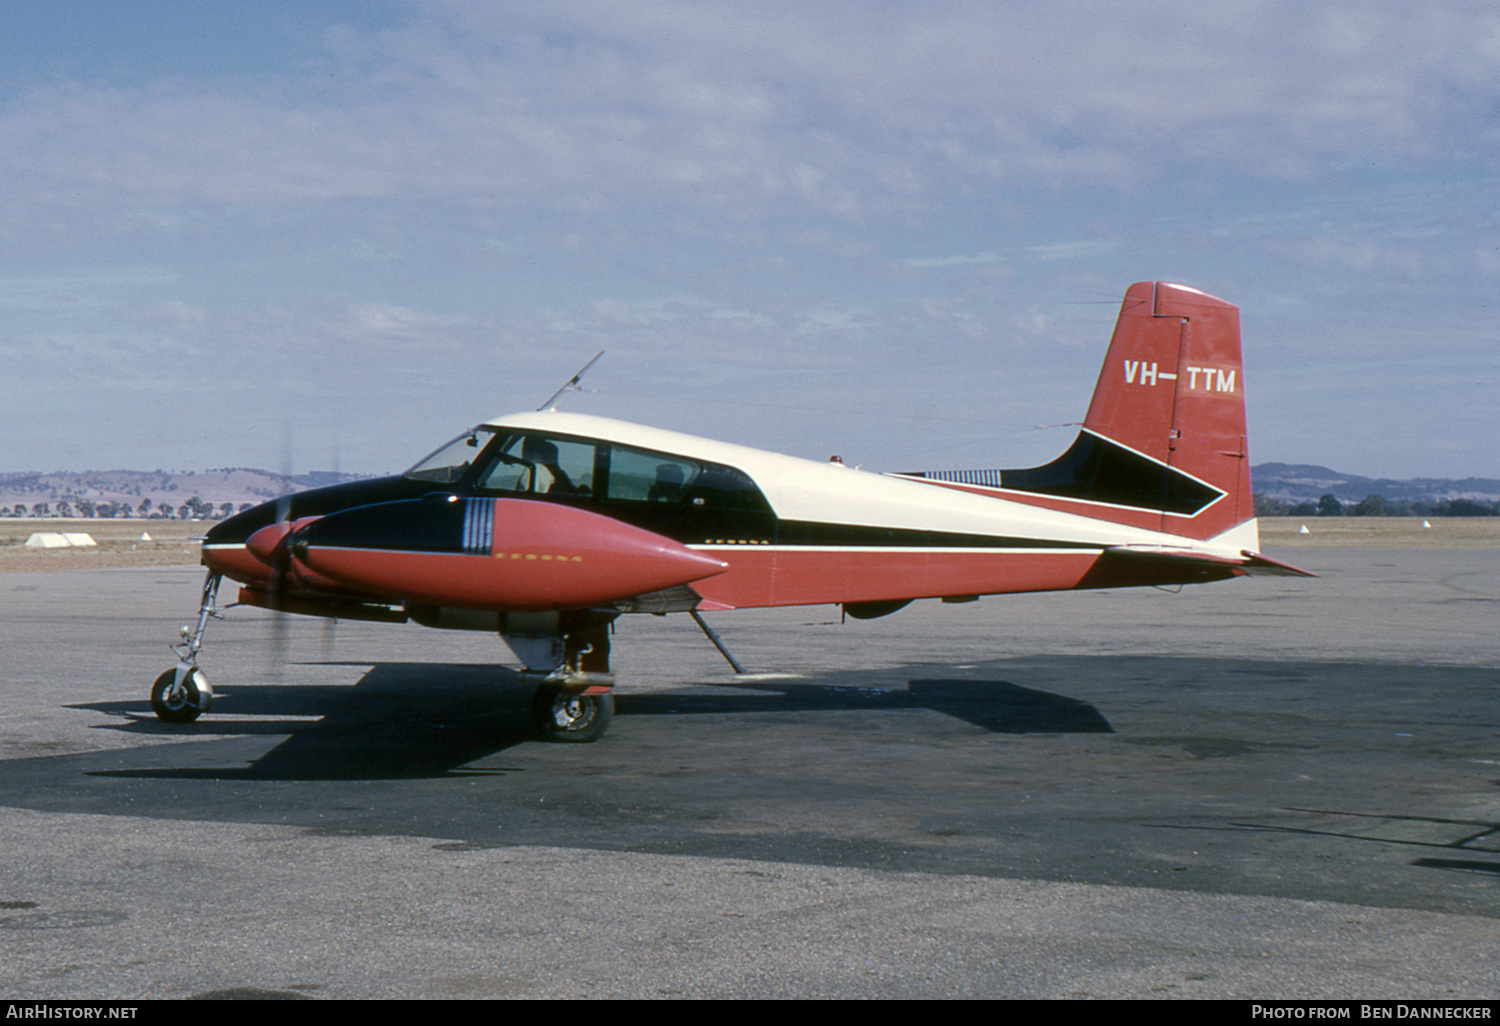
(1215, 379)
(546, 528)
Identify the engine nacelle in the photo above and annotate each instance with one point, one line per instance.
(488, 553)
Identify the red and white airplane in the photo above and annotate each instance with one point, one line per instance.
(545, 527)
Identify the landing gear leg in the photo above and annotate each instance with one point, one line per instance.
(568, 659)
(718, 642)
(574, 716)
(182, 694)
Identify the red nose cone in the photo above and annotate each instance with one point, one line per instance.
(269, 543)
(266, 544)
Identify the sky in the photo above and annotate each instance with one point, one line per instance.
(309, 234)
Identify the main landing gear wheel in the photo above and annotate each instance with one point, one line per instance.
(561, 715)
(181, 704)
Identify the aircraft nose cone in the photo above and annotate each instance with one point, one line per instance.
(266, 544)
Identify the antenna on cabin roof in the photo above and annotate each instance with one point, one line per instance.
(572, 384)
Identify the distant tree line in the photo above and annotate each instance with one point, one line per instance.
(193, 509)
(1375, 506)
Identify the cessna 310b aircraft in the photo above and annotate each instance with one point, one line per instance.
(545, 527)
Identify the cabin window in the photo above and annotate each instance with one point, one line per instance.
(636, 476)
(725, 488)
(648, 483)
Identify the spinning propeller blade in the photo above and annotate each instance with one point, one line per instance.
(280, 628)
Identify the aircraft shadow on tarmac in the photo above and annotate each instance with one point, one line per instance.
(416, 720)
(1472, 836)
(994, 705)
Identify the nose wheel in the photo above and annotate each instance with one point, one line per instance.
(181, 694)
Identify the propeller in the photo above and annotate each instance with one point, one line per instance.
(288, 580)
(331, 624)
(280, 564)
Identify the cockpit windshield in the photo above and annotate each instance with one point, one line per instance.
(452, 461)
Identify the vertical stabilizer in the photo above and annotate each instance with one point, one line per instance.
(1163, 445)
(1173, 390)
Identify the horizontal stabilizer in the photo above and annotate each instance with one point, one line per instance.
(1247, 562)
(1258, 565)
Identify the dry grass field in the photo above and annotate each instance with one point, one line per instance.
(176, 541)
(1380, 532)
(119, 543)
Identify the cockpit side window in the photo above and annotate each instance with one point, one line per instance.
(542, 465)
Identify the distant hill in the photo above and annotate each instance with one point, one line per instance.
(1301, 482)
(112, 492)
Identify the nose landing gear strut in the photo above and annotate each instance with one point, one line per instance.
(182, 694)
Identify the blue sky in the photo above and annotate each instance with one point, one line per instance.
(321, 234)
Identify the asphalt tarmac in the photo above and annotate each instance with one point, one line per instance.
(1268, 788)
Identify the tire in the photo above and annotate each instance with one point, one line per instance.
(187, 707)
(571, 717)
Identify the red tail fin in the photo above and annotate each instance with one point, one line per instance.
(1163, 445)
(1172, 390)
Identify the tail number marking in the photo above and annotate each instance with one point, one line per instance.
(1214, 379)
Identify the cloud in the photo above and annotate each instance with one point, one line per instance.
(53, 294)
(845, 111)
(953, 261)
